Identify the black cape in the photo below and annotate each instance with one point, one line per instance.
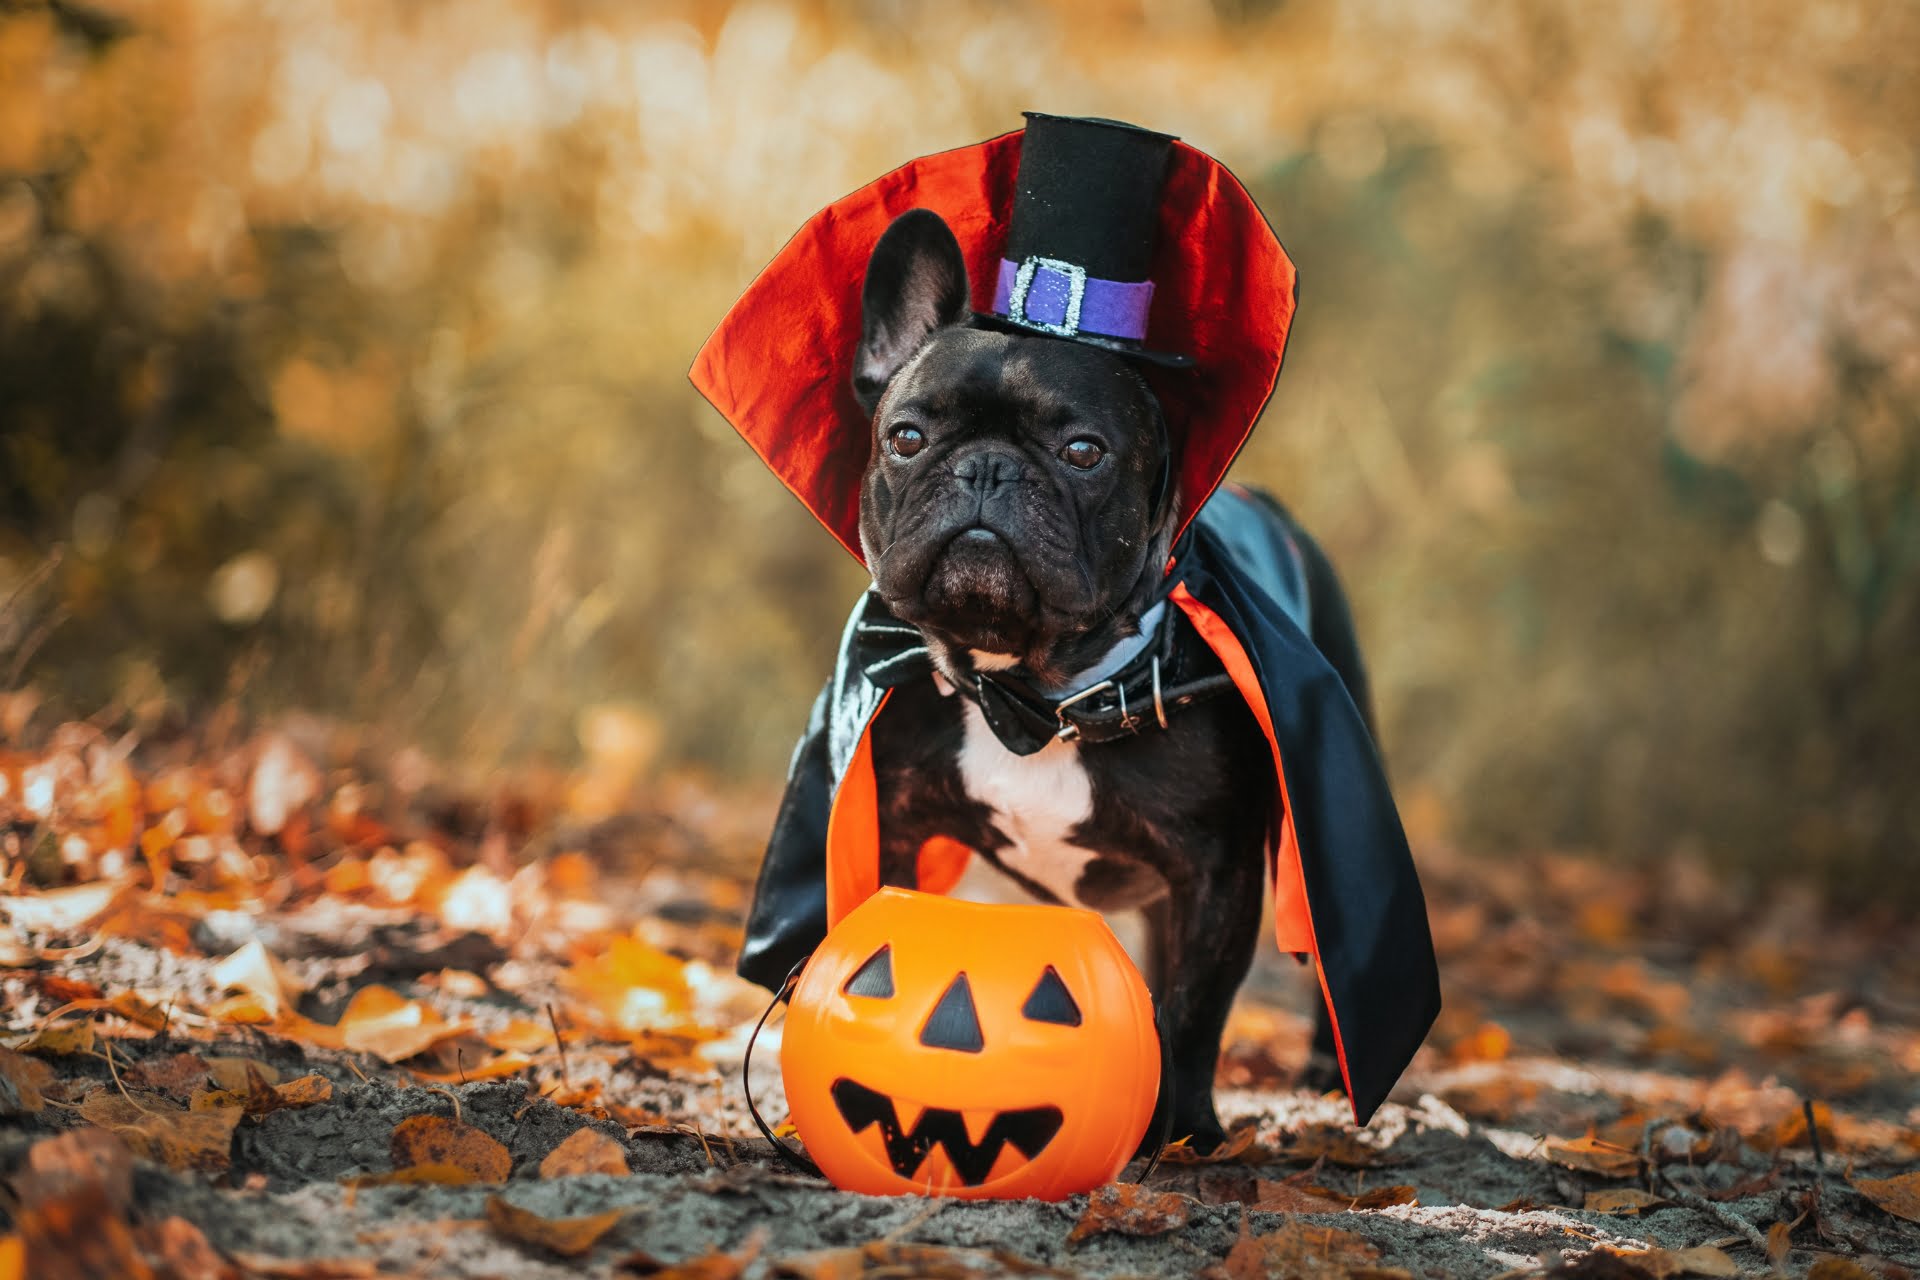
(1345, 888)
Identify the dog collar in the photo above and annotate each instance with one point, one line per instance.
(1172, 671)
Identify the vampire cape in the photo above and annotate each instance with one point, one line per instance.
(778, 368)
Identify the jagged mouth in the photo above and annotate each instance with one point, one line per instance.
(1027, 1131)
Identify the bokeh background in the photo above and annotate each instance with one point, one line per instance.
(342, 352)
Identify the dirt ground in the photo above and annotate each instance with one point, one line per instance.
(1621, 1085)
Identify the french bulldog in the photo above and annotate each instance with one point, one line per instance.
(1015, 510)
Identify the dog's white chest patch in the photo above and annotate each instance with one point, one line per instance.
(1037, 801)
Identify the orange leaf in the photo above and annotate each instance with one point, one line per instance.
(21, 1081)
(1622, 1200)
(78, 1237)
(1127, 1208)
(238, 1073)
(13, 1258)
(431, 1173)
(1284, 1197)
(1591, 1155)
(382, 1022)
(186, 1251)
(1237, 1146)
(585, 1151)
(568, 1237)
(1899, 1196)
(260, 1098)
(1663, 1264)
(69, 1162)
(439, 1140)
(200, 1140)
(1298, 1250)
(60, 1039)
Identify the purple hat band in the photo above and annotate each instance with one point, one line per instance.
(1059, 297)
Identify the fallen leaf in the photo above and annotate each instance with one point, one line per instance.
(1628, 1201)
(200, 1140)
(382, 1022)
(60, 1039)
(1779, 1242)
(1237, 1145)
(568, 1237)
(237, 1073)
(1592, 1155)
(69, 1162)
(13, 1258)
(178, 1074)
(261, 1098)
(21, 1081)
(283, 781)
(185, 1251)
(79, 1236)
(1384, 1197)
(255, 971)
(1284, 1197)
(261, 1267)
(1298, 1251)
(890, 1258)
(1129, 1209)
(505, 1064)
(137, 1010)
(421, 1140)
(1899, 1196)
(1663, 1264)
(710, 1266)
(1330, 1143)
(585, 1151)
(430, 1174)
(62, 910)
(521, 1035)
(1839, 1269)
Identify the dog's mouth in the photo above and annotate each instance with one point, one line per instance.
(1028, 1131)
(977, 592)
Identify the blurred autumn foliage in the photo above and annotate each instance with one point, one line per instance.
(342, 351)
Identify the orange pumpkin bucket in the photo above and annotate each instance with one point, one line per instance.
(942, 1047)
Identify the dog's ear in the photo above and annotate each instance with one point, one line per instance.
(916, 283)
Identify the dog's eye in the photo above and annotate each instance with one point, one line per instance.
(906, 441)
(1082, 454)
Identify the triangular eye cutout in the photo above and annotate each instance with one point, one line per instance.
(953, 1024)
(875, 977)
(1051, 1001)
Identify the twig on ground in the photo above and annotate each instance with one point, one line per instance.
(451, 1095)
(1700, 1204)
(114, 1071)
(1813, 1137)
(554, 1022)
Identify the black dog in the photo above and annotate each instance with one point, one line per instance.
(1015, 511)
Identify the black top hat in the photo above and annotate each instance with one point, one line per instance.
(1079, 253)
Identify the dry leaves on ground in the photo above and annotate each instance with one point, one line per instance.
(568, 1237)
(436, 1145)
(157, 1129)
(1300, 1251)
(1899, 1196)
(1127, 1208)
(1590, 1154)
(585, 1151)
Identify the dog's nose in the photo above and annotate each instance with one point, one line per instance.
(986, 471)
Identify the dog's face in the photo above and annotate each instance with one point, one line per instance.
(1014, 505)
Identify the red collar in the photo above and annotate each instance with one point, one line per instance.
(779, 365)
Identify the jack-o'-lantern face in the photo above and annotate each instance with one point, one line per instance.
(968, 1049)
